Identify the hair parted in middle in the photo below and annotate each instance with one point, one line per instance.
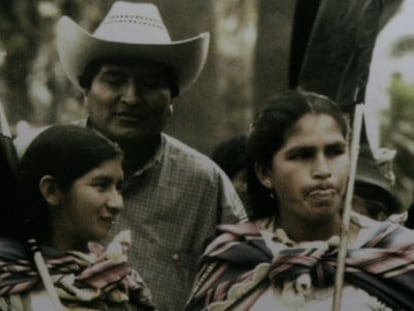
(269, 132)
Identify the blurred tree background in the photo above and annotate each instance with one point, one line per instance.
(248, 61)
(391, 93)
(233, 84)
(398, 134)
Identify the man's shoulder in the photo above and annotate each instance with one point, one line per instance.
(180, 147)
(188, 156)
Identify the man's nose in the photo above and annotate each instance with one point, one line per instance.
(131, 95)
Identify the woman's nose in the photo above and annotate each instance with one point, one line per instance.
(116, 201)
(321, 168)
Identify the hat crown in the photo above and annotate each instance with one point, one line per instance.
(128, 22)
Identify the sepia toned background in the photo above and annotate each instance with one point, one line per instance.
(248, 61)
(34, 88)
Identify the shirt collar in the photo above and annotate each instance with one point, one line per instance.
(152, 162)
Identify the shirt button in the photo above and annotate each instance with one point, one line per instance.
(176, 256)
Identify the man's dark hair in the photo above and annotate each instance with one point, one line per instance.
(90, 71)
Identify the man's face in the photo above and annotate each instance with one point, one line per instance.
(128, 101)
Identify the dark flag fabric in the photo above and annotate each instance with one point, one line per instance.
(332, 46)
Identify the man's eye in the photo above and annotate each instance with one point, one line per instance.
(153, 84)
(113, 80)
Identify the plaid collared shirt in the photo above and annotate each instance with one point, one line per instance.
(172, 206)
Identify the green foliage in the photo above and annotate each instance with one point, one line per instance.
(399, 134)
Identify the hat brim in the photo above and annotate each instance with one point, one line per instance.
(370, 182)
(77, 48)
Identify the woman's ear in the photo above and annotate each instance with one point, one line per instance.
(263, 176)
(50, 190)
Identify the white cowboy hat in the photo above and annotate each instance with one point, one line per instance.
(130, 30)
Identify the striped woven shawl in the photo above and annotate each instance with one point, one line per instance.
(80, 279)
(383, 266)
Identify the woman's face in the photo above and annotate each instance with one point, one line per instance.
(309, 173)
(90, 207)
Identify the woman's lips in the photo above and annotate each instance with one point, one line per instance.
(108, 220)
(322, 193)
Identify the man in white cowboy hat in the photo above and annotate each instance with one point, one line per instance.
(129, 71)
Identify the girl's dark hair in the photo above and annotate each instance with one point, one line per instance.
(270, 131)
(66, 152)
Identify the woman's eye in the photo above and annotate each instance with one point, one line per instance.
(300, 155)
(119, 186)
(335, 151)
(296, 157)
(101, 186)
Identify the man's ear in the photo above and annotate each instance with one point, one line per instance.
(263, 176)
(170, 108)
(50, 190)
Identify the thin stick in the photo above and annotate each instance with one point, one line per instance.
(44, 275)
(343, 245)
(4, 125)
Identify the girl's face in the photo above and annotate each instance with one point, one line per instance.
(309, 173)
(90, 207)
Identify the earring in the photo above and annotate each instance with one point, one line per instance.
(272, 194)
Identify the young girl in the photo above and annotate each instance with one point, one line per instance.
(70, 181)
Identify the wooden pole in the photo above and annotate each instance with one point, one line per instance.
(4, 125)
(45, 276)
(343, 245)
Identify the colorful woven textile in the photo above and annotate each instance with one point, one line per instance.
(237, 267)
(101, 277)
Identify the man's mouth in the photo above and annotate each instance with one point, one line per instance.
(131, 117)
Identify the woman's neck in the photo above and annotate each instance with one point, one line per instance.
(64, 242)
(301, 229)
